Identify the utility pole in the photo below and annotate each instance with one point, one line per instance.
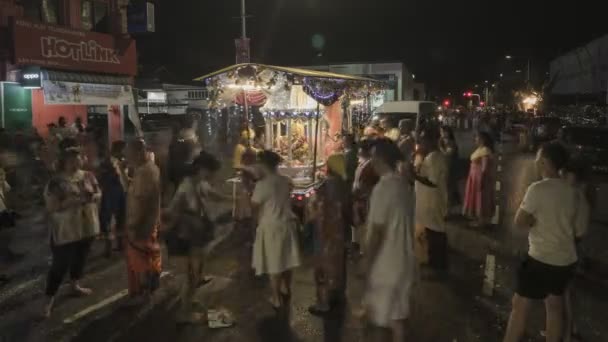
(528, 74)
(242, 44)
(243, 20)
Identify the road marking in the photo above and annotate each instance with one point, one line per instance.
(496, 217)
(489, 275)
(499, 158)
(499, 168)
(9, 293)
(112, 299)
(97, 306)
(497, 185)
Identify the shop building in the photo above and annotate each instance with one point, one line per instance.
(70, 58)
(581, 75)
(171, 99)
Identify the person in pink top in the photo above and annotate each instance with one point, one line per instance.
(479, 199)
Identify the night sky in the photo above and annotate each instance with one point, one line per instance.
(449, 44)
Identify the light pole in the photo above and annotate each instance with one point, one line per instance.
(509, 57)
(243, 20)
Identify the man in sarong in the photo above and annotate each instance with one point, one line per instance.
(143, 221)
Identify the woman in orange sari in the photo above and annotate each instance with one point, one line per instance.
(143, 220)
(331, 211)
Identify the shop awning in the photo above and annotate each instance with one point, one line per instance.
(77, 77)
(293, 71)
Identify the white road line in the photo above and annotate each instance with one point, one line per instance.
(97, 306)
(489, 275)
(499, 168)
(112, 299)
(499, 158)
(497, 185)
(496, 217)
(9, 293)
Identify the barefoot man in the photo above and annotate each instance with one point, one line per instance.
(143, 220)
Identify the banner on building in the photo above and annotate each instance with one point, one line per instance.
(242, 50)
(72, 93)
(57, 47)
(16, 106)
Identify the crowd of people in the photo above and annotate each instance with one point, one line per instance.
(384, 200)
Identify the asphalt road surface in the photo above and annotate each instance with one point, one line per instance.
(455, 309)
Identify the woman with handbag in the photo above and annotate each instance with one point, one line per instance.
(192, 230)
(72, 198)
(276, 249)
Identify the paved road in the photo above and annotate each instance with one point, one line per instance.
(455, 310)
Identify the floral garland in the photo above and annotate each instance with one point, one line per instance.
(326, 91)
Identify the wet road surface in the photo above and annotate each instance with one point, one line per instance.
(451, 310)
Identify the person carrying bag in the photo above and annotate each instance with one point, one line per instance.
(191, 230)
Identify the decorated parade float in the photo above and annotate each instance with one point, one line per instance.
(300, 114)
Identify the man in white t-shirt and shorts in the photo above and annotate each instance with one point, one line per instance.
(550, 212)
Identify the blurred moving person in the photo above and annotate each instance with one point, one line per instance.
(389, 253)
(431, 203)
(363, 184)
(331, 211)
(114, 183)
(449, 147)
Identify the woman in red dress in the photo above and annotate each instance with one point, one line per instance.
(479, 198)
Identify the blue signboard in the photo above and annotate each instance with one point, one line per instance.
(140, 17)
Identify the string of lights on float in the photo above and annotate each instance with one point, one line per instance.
(252, 77)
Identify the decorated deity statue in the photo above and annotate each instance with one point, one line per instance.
(298, 144)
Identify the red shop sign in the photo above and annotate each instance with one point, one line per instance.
(64, 48)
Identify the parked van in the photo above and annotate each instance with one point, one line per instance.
(421, 112)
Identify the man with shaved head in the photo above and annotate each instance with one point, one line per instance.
(143, 221)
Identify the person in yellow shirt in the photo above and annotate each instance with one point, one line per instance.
(243, 146)
(391, 132)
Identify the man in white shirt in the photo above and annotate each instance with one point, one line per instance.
(389, 249)
(432, 201)
(552, 212)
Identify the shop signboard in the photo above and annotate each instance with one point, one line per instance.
(72, 93)
(243, 54)
(55, 47)
(140, 17)
(30, 78)
(16, 106)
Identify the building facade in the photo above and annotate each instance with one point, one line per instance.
(582, 72)
(67, 58)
